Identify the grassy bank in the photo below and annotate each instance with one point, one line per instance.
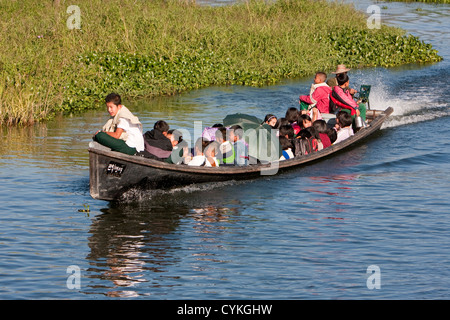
(145, 48)
(426, 1)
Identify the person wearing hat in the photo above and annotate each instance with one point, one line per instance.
(343, 100)
(332, 82)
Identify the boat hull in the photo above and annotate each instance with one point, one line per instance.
(112, 174)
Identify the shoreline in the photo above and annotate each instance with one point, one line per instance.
(168, 47)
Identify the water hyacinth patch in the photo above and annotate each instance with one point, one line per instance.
(150, 48)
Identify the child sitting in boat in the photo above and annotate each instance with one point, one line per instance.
(287, 131)
(304, 121)
(322, 129)
(292, 117)
(343, 126)
(281, 122)
(286, 147)
(157, 145)
(240, 147)
(271, 120)
(123, 131)
(226, 153)
(203, 156)
(318, 100)
(332, 134)
(180, 150)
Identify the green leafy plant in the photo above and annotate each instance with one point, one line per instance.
(163, 47)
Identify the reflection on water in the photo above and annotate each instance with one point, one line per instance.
(128, 243)
(331, 195)
(133, 244)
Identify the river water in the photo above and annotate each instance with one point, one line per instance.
(314, 233)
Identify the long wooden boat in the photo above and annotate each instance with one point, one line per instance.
(112, 174)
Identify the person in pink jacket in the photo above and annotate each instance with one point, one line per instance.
(319, 98)
(343, 100)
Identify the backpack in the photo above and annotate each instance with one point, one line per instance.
(305, 146)
(333, 106)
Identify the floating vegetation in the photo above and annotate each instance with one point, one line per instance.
(151, 48)
(85, 209)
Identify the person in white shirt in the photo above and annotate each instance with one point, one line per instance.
(204, 154)
(123, 131)
(286, 147)
(343, 126)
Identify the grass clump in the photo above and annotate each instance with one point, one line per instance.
(149, 48)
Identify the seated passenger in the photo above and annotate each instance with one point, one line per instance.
(332, 134)
(343, 126)
(226, 154)
(271, 120)
(318, 100)
(322, 128)
(123, 131)
(180, 150)
(287, 131)
(343, 100)
(240, 147)
(286, 146)
(203, 156)
(292, 117)
(157, 145)
(281, 122)
(304, 121)
(332, 82)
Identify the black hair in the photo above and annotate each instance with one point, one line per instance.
(287, 130)
(320, 126)
(201, 144)
(221, 132)
(332, 134)
(314, 133)
(114, 98)
(304, 133)
(177, 134)
(292, 115)
(269, 117)
(281, 122)
(342, 78)
(344, 118)
(161, 125)
(323, 74)
(285, 143)
(301, 118)
(217, 125)
(237, 129)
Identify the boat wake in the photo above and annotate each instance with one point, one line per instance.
(407, 111)
(412, 100)
(139, 195)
